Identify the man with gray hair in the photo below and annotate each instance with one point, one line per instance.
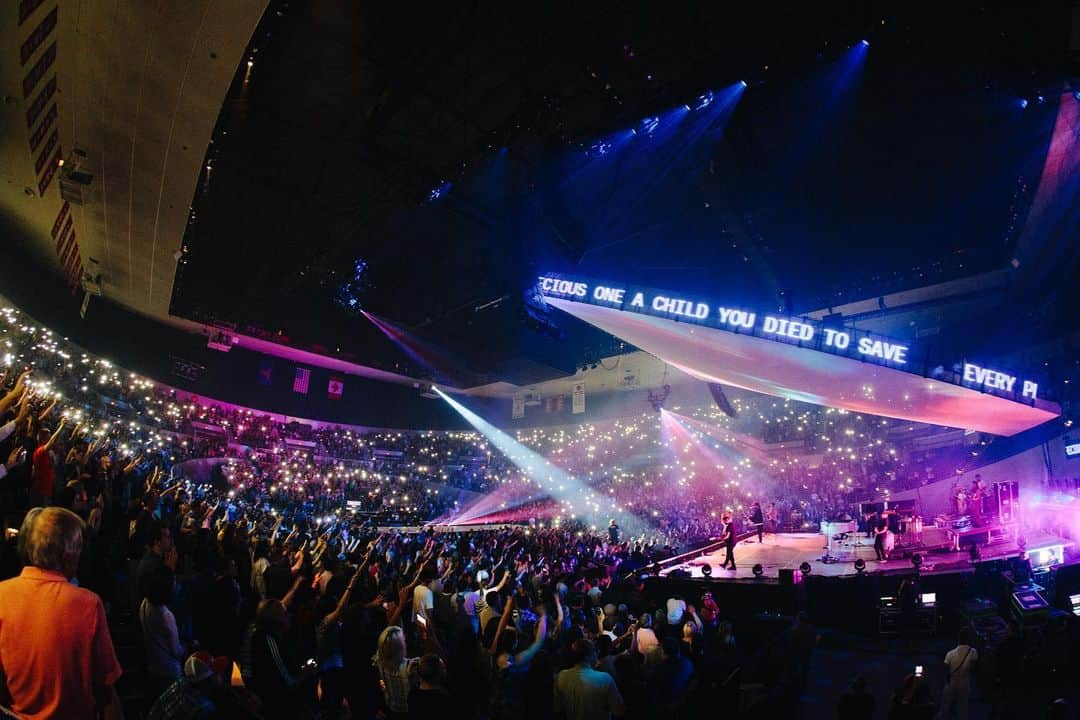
(56, 655)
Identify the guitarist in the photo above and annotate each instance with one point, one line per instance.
(880, 526)
(757, 519)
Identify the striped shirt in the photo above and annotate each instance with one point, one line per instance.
(397, 682)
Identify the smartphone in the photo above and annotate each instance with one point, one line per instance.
(422, 620)
(311, 664)
(918, 671)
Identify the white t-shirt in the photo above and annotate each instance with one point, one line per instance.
(646, 641)
(675, 610)
(423, 600)
(961, 661)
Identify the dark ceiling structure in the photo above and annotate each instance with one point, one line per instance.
(451, 147)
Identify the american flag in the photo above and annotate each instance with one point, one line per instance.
(300, 382)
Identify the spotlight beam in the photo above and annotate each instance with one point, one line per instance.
(574, 495)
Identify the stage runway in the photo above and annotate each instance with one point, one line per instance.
(789, 550)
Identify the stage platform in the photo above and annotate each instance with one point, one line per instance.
(790, 550)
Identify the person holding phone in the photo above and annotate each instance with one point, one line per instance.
(43, 475)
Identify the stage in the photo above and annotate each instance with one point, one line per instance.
(790, 550)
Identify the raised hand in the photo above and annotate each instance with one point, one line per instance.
(13, 458)
(20, 384)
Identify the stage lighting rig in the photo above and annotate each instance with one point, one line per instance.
(658, 397)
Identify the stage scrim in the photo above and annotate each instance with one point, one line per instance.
(803, 360)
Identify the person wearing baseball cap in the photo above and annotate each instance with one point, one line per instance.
(193, 694)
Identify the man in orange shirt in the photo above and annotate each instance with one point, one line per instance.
(43, 475)
(56, 656)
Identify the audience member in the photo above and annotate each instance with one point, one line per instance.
(56, 655)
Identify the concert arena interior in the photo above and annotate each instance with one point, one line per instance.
(567, 361)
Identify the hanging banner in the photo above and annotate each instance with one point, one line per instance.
(301, 380)
(518, 411)
(577, 406)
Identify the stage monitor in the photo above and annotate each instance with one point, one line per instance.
(1029, 601)
(1046, 556)
(928, 599)
(1074, 604)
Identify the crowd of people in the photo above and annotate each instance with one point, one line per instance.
(269, 590)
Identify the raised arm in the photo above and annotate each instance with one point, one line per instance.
(274, 530)
(525, 656)
(698, 625)
(45, 413)
(343, 603)
(403, 597)
(55, 435)
(503, 620)
(292, 591)
(9, 399)
(502, 583)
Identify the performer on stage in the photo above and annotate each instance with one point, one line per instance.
(975, 503)
(961, 500)
(771, 517)
(881, 526)
(729, 540)
(758, 521)
(613, 531)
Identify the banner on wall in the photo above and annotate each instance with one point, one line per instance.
(266, 372)
(301, 380)
(336, 387)
(518, 410)
(577, 405)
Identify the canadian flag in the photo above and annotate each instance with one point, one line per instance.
(335, 388)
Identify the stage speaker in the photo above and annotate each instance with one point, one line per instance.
(718, 396)
(1007, 495)
(787, 576)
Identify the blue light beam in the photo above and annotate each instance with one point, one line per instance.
(576, 497)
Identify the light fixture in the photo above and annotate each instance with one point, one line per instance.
(758, 570)
(805, 568)
(860, 566)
